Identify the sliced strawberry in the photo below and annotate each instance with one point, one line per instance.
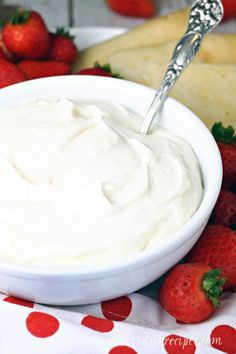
(34, 69)
(217, 247)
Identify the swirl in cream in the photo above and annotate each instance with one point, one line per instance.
(79, 185)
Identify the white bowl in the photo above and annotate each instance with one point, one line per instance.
(84, 285)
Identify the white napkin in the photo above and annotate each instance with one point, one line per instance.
(127, 325)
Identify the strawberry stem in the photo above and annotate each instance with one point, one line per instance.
(20, 17)
(222, 134)
(212, 284)
(61, 31)
(107, 69)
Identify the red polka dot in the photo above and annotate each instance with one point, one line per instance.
(117, 309)
(14, 300)
(97, 324)
(41, 324)
(122, 349)
(224, 338)
(175, 345)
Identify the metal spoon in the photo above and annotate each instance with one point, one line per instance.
(204, 16)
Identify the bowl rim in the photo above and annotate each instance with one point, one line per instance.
(144, 257)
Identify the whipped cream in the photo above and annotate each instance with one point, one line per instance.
(80, 186)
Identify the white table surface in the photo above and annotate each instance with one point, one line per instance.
(82, 13)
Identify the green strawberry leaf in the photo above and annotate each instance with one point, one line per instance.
(61, 31)
(107, 69)
(223, 135)
(212, 284)
(20, 17)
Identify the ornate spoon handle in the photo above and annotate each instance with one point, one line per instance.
(204, 16)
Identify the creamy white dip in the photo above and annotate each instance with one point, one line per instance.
(79, 185)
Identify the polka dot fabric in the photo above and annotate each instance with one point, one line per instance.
(134, 324)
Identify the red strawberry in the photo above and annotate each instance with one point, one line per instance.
(94, 71)
(226, 140)
(133, 8)
(9, 74)
(191, 292)
(7, 55)
(62, 47)
(217, 247)
(99, 70)
(228, 155)
(34, 69)
(229, 8)
(26, 35)
(225, 209)
(2, 55)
